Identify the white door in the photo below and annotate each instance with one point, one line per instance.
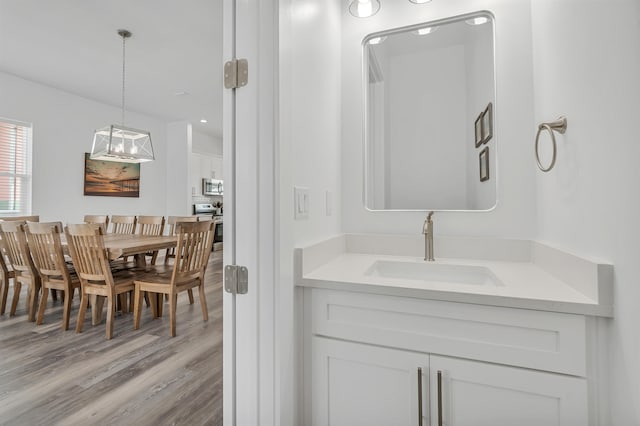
(248, 132)
(479, 394)
(353, 384)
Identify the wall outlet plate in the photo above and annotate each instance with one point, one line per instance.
(300, 203)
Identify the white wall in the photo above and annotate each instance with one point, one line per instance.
(316, 115)
(203, 143)
(178, 165)
(63, 126)
(587, 67)
(514, 215)
(308, 155)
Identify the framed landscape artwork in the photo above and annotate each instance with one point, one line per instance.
(111, 178)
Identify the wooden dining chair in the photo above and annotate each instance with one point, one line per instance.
(14, 244)
(153, 226)
(171, 225)
(98, 219)
(7, 274)
(192, 254)
(123, 224)
(48, 257)
(91, 262)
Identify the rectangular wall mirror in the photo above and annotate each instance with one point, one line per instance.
(429, 112)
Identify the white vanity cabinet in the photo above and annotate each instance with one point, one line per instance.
(498, 366)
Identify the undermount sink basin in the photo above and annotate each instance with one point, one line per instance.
(434, 272)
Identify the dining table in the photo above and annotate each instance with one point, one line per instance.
(124, 245)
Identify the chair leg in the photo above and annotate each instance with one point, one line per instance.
(111, 314)
(33, 301)
(54, 295)
(84, 303)
(137, 308)
(4, 292)
(66, 310)
(124, 306)
(17, 288)
(43, 305)
(97, 303)
(203, 303)
(160, 304)
(190, 293)
(173, 302)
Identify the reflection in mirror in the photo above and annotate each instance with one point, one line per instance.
(429, 113)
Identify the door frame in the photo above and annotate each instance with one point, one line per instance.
(250, 113)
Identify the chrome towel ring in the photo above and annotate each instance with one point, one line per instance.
(560, 126)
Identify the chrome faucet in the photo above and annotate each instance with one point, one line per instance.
(427, 230)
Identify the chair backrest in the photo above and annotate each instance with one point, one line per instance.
(150, 225)
(46, 249)
(98, 219)
(20, 218)
(123, 224)
(195, 240)
(172, 220)
(89, 255)
(14, 243)
(5, 265)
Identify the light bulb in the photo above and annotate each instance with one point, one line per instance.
(364, 8)
(478, 20)
(423, 31)
(377, 40)
(419, 1)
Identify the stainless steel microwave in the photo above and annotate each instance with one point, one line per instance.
(212, 187)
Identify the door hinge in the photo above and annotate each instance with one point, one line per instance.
(236, 279)
(236, 73)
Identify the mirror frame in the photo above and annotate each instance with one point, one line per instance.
(365, 100)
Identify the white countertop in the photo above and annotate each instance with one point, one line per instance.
(521, 284)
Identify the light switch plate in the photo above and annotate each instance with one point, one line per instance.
(300, 203)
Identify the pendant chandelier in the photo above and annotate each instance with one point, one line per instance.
(118, 142)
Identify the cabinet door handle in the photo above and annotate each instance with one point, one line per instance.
(439, 398)
(419, 396)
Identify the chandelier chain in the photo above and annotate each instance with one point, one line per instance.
(124, 38)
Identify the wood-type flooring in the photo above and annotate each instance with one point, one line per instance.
(140, 377)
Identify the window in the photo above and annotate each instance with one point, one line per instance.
(15, 168)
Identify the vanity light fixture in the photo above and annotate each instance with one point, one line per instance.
(479, 20)
(364, 8)
(423, 31)
(117, 142)
(377, 40)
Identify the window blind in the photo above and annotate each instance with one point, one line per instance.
(15, 168)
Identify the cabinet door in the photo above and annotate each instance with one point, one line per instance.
(216, 167)
(479, 394)
(195, 174)
(354, 384)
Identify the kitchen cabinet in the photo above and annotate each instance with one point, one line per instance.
(479, 365)
(204, 166)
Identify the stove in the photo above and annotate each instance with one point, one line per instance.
(206, 211)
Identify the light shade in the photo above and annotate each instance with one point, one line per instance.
(364, 8)
(123, 144)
